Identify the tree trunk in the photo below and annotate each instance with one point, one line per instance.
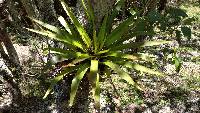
(3, 53)
(10, 48)
(100, 7)
(12, 86)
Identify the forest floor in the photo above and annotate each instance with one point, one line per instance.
(176, 92)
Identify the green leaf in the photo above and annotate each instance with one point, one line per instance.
(97, 93)
(102, 33)
(89, 10)
(119, 31)
(60, 76)
(49, 34)
(141, 68)
(47, 26)
(177, 62)
(154, 16)
(93, 70)
(95, 39)
(178, 35)
(76, 81)
(110, 20)
(59, 37)
(189, 21)
(64, 24)
(79, 27)
(130, 35)
(120, 72)
(133, 56)
(94, 78)
(66, 53)
(186, 32)
(90, 13)
(139, 44)
(103, 51)
(176, 12)
(119, 4)
(57, 30)
(126, 56)
(78, 60)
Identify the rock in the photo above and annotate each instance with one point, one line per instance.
(1, 1)
(23, 52)
(165, 110)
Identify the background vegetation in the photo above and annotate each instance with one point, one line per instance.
(139, 56)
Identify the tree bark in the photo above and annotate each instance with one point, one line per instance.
(12, 86)
(100, 7)
(3, 53)
(10, 48)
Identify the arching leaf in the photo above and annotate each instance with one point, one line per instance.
(122, 55)
(64, 24)
(79, 27)
(59, 77)
(47, 26)
(59, 37)
(130, 35)
(97, 93)
(66, 53)
(133, 56)
(76, 81)
(119, 31)
(94, 79)
(141, 68)
(102, 33)
(88, 9)
(139, 44)
(120, 72)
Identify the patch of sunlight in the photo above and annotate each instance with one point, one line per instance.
(192, 10)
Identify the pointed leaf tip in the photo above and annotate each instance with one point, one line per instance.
(76, 81)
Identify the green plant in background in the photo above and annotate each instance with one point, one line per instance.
(177, 61)
(93, 54)
(171, 21)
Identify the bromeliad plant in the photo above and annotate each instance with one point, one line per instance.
(89, 52)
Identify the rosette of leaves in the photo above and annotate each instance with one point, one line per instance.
(90, 51)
